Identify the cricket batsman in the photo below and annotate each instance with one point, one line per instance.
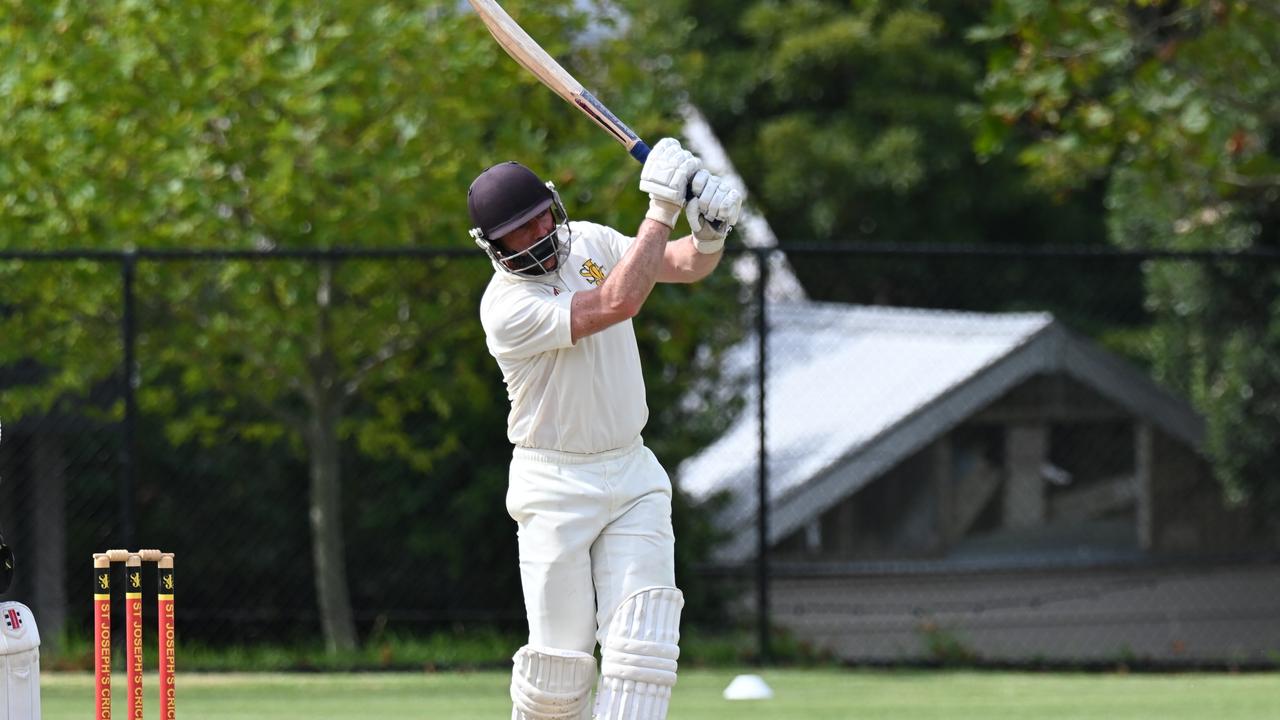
(591, 503)
(19, 651)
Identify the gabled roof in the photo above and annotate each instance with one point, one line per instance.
(854, 390)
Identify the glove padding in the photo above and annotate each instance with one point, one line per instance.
(717, 203)
(665, 177)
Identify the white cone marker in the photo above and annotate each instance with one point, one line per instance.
(748, 687)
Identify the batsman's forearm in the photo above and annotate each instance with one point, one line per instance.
(630, 283)
(684, 264)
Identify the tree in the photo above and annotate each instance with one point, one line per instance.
(291, 125)
(848, 120)
(1176, 107)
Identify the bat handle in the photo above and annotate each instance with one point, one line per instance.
(640, 151)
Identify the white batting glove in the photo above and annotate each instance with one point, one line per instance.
(717, 203)
(665, 176)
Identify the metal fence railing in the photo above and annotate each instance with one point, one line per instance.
(970, 454)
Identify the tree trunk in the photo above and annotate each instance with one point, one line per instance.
(327, 547)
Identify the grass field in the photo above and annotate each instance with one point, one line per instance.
(800, 695)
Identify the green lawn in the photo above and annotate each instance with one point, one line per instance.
(800, 695)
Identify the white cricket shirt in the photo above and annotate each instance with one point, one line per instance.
(584, 398)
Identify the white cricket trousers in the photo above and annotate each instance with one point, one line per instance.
(592, 529)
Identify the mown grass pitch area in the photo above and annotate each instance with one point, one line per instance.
(800, 695)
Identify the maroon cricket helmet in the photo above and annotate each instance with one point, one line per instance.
(506, 196)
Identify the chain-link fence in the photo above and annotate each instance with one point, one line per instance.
(1007, 455)
(964, 454)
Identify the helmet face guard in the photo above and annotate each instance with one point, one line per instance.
(536, 260)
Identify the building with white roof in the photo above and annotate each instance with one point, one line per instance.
(855, 393)
(991, 482)
(976, 487)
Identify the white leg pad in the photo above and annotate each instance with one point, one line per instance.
(551, 684)
(19, 663)
(638, 666)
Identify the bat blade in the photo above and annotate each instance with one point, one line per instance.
(526, 51)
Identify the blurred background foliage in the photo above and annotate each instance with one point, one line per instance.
(847, 121)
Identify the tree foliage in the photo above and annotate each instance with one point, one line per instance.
(849, 122)
(845, 117)
(1176, 106)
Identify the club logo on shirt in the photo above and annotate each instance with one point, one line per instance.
(592, 272)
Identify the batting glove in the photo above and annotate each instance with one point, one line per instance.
(665, 177)
(713, 212)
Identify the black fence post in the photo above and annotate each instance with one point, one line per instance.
(762, 488)
(128, 332)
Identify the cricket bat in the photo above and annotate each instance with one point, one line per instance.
(530, 54)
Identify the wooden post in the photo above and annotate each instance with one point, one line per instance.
(1142, 462)
(1025, 450)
